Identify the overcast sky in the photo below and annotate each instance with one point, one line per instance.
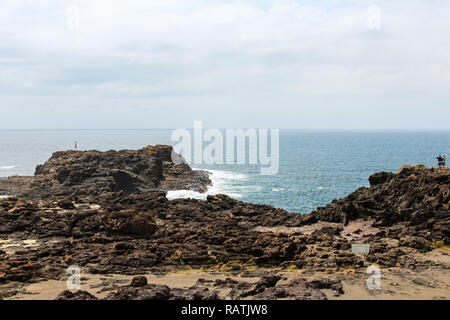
(276, 64)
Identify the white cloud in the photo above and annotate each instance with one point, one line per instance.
(204, 51)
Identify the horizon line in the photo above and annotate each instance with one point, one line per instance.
(206, 128)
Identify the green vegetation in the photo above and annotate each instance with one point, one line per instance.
(440, 244)
(292, 267)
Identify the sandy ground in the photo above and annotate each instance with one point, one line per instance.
(357, 230)
(396, 283)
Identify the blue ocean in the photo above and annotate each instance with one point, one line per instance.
(315, 166)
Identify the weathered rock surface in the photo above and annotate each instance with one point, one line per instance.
(298, 289)
(78, 295)
(416, 195)
(265, 289)
(92, 173)
(95, 216)
(137, 290)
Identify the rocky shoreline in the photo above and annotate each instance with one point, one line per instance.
(107, 213)
(88, 174)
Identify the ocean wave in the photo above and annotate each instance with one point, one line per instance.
(183, 194)
(226, 175)
(222, 183)
(7, 167)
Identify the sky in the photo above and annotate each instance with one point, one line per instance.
(310, 64)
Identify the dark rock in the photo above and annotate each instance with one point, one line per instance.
(79, 295)
(380, 178)
(417, 243)
(298, 289)
(268, 281)
(138, 281)
(142, 224)
(148, 292)
(134, 233)
(123, 246)
(329, 283)
(91, 173)
(263, 283)
(66, 204)
(328, 231)
(416, 196)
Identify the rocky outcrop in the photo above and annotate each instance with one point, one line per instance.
(298, 289)
(141, 232)
(265, 289)
(162, 292)
(109, 214)
(78, 295)
(417, 198)
(88, 174)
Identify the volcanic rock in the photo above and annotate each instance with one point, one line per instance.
(138, 281)
(107, 213)
(79, 295)
(298, 289)
(91, 173)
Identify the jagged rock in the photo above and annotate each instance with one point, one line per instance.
(380, 178)
(79, 295)
(329, 283)
(416, 242)
(148, 292)
(298, 289)
(162, 292)
(328, 231)
(66, 204)
(138, 281)
(263, 283)
(91, 173)
(137, 232)
(417, 197)
(142, 224)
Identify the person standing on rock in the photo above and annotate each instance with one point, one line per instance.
(443, 161)
(439, 158)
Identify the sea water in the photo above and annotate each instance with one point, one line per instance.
(315, 166)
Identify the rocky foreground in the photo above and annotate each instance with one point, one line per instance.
(108, 214)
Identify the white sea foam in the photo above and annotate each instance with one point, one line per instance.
(7, 167)
(222, 182)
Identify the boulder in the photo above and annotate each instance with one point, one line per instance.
(142, 224)
(380, 178)
(139, 281)
(79, 295)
